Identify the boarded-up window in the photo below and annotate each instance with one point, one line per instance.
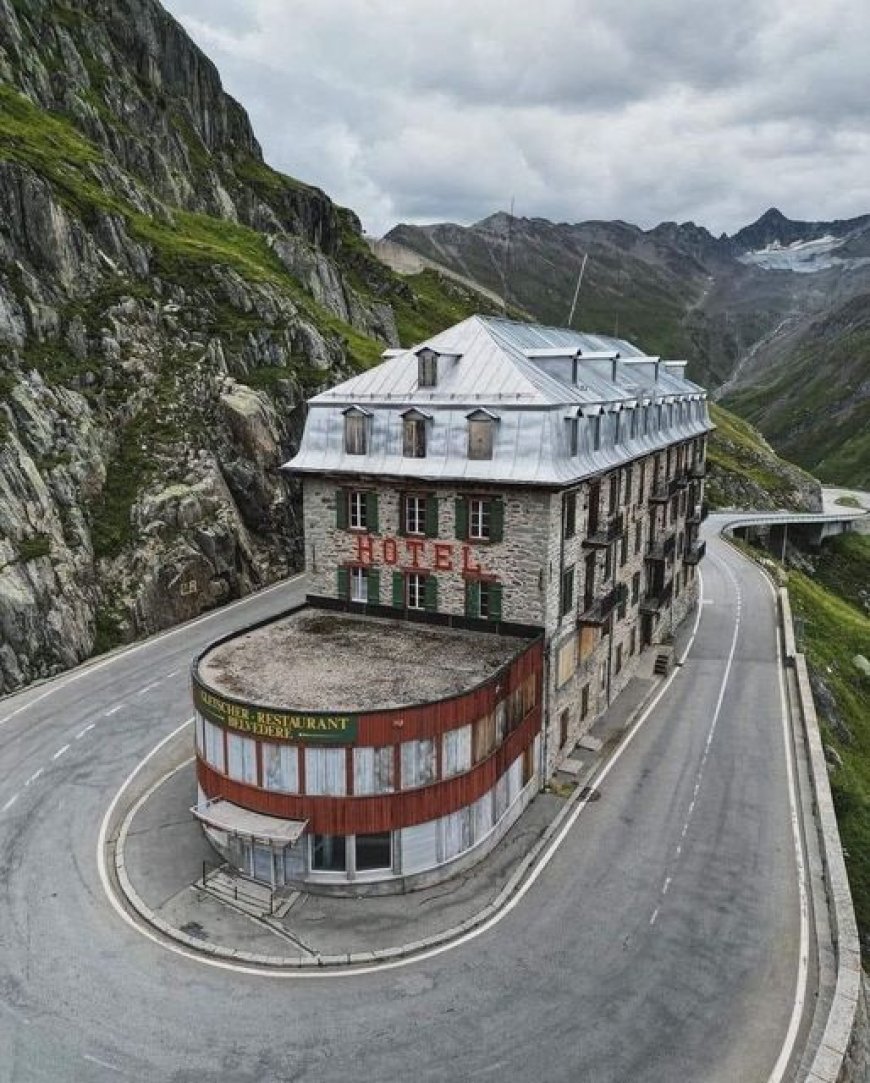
(567, 661)
(373, 770)
(500, 721)
(420, 847)
(480, 432)
(456, 751)
(325, 771)
(414, 437)
(455, 833)
(242, 755)
(355, 433)
(419, 766)
(280, 768)
(588, 639)
(484, 736)
(214, 745)
(481, 816)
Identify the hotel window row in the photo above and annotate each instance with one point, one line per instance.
(363, 771)
(418, 591)
(475, 518)
(415, 432)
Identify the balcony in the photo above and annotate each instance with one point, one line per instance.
(681, 481)
(662, 548)
(605, 533)
(662, 490)
(698, 469)
(600, 609)
(656, 599)
(695, 552)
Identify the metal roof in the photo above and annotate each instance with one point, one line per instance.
(535, 379)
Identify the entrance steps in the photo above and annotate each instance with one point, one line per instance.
(250, 897)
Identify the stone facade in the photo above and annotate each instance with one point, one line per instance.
(600, 566)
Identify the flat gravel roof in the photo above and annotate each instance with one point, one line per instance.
(321, 660)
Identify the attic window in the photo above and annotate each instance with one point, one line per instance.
(356, 431)
(481, 424)
(414, 434)
(427, 368)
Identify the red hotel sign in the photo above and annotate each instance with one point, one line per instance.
(416, 554)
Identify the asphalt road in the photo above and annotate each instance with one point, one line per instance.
(660, 943)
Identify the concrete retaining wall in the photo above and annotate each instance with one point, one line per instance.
(840, 1057)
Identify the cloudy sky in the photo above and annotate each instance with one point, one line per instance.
(646, 110)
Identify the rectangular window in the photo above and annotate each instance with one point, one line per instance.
(374, 851)
(355, 433)
(638, 536)
(570, 517)
(214, 745)
(584, 702)
(596, 432)
(358, 510)
(566, 662)
(623, 550)
(484, 736)
(640, 483)
(325, 772)
(328, 853)
(573, 434)
(608, 562)
(415, 514)
(280, 768)
(500, 721)
(566, 599)
(480, 439)
(564, 718)
(373, 770)
(632, 642)
(479, 516)
(427, 368)
(242, 756)
(359, 587)
(614, 494)
(418, 763)
(414, 438)
(619, 658)
(456, 833)
(626, 496)
(415, 586)
(635, 588)
(456, 752)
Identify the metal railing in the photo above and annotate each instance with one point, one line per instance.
(606, 532)
(663, 489)
(600, 608)
(698, 469)
(695, 552)
(654, 600)
(210, 868)
(662, 548)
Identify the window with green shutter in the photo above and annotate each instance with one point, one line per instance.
(472, 599)
(374, 586)
(398, 590)
(461, 505)
(431, 516)
(341, 509)
(496, 519)
(431, 594)
(343, 583)
(494, 601)
(372, 512)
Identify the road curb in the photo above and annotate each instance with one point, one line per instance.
(347, 961)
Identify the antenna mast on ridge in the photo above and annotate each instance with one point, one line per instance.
(577, 290)
(506, 274)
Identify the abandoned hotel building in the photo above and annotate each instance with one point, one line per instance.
(498, 522)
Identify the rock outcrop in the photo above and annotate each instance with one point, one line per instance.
(167, 302)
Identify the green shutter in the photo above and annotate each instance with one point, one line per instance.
(343, 583)
(341, 509)
(372, 513)
(374, 586)
(472, 598)
(431, 516)
(496, 519)
(461, 518)
(398, 590)
(430, 601)
(495, 601)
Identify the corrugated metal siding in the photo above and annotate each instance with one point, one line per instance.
(383, 812)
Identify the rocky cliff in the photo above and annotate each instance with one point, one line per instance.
(167, 301)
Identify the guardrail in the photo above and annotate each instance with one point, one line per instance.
(830, 1063)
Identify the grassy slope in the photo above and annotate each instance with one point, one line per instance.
(738, 451)
(833, 631)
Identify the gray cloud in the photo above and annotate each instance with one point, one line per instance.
(445, 109)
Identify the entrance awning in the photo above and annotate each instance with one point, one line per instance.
(235, 820)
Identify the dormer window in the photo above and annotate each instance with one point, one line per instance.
(481, 426)
(414, 434)
(356, 431)
(427, 368)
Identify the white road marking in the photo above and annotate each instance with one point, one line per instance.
(655, 914)
(679, 849)
(60, 752)
(149, 687)
(36, 774)
(87, 729)
(125, 652)
(114, 710)
(377, 968)
(103, 1063)
(666, 885)
(9, 803)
